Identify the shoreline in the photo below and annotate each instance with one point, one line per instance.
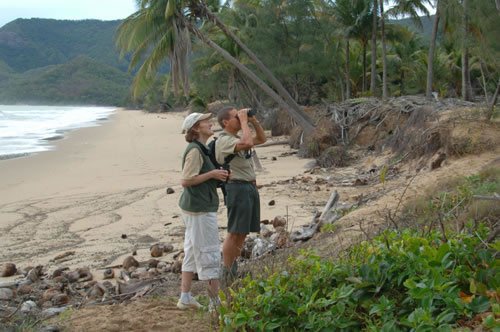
(46, 143)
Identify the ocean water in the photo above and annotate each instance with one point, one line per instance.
(29, 129)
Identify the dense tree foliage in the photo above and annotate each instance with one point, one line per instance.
(320, 49)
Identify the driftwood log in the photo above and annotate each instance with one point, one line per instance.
(329, 215)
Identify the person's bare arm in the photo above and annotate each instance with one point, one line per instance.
(246, 140)
(217, 174)
(260, 136)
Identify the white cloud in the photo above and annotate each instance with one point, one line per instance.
(65, 9)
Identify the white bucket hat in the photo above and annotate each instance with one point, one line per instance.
(192, 118)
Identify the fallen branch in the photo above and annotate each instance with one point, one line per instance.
(495, 197)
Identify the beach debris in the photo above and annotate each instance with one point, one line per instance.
(130, 262)
(271, 202)
(156, 250)
(8, 270)
(278, 221)
(28, 307)
(261, 246)
(176, 267)
(97, 291)
(265, 231)
(170, 191)
(24, 289)
(152, 263)
(63, 255)
(7, 294)
(35, 273)
(124, 236)
(305, 233)
(274, 158)
(280, 239)
(108, 274)
(329, 214)
(59, 272)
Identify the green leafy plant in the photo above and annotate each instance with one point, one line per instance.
(398, 281)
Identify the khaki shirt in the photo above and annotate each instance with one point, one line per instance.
(192, 164)
(240, 167)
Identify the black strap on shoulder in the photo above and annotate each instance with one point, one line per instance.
(202, 147)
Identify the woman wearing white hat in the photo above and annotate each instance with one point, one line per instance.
(199, 203)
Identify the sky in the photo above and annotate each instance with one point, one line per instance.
(65, 9)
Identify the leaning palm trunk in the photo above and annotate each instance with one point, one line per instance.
(430, 60)
(267, 73)
(299, 117)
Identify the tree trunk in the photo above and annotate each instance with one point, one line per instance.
(304, 122)
(493, 101)
(267, 73)
(430, 58)
(363, 87)
(384, 52)
(373, 78)
(483, 77)
(465, 55)
(347, 75)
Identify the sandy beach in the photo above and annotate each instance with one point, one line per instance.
(102, 183)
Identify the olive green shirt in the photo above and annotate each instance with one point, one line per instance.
(240, 167)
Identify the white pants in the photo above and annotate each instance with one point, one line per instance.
(202, 245)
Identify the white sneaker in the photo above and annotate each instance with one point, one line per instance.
(192, 304)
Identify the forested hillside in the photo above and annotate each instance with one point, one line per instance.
(58, 61)
(32, 43)
(79, 81)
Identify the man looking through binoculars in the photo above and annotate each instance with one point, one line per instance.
(243, 202)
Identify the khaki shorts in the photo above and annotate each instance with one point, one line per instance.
(243, 207)
(201, 245)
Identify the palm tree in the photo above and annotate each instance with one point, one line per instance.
(163, 28)
(432, 48)
(466, 86)
(404, 7)
(373, 75)
(352, 16)
(384, 52)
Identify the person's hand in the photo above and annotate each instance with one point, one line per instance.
(219, 174)
(253, 120)
(243, 115)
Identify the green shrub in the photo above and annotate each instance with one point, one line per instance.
(396, 282)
